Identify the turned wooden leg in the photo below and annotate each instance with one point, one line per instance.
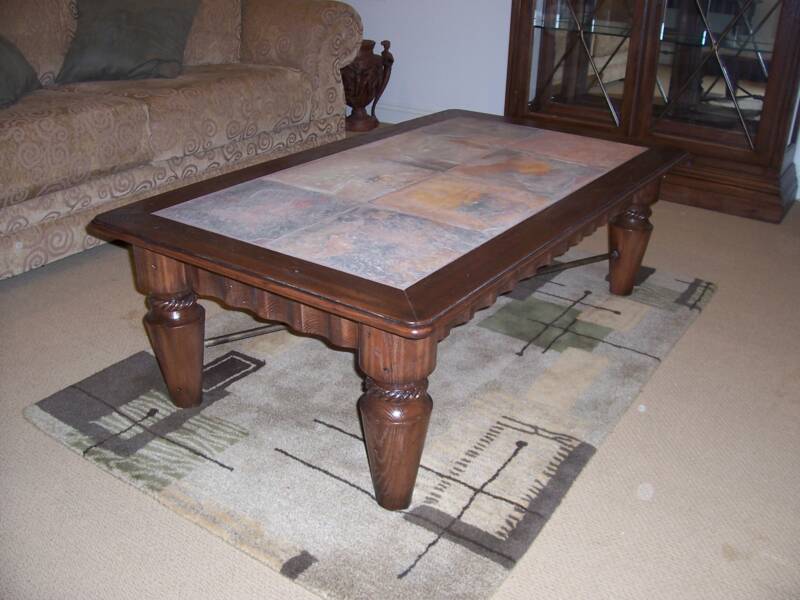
(628, 235)
(175, 324)
(395, 410)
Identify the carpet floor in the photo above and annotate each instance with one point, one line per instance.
(273, 460)
(693, 494)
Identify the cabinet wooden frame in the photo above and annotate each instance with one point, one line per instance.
(722, 173)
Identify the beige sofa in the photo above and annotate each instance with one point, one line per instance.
(261, 79)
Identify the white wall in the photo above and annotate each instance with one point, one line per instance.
(448, 54)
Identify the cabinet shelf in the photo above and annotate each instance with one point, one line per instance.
(717, 78)
(745, 43)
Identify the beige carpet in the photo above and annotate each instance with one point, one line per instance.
(694, 495)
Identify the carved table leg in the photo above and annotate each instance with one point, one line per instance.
(628, 235)
(395, 410)
(175, 324)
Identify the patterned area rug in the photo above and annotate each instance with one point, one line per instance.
(273, 461)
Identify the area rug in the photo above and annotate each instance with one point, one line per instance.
(273, 461)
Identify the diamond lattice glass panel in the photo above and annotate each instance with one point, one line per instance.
(581, 55)
(714, 62)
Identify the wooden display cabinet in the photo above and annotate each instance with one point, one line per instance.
(717, 78)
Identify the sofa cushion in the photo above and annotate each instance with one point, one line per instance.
(51, 140)
(319, 37)
(216, 35)
(213, 105)
(17, 76)
(128, 39)
(42, 30)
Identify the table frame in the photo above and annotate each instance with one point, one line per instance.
(394, 332)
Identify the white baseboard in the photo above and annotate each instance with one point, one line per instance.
(393, 113)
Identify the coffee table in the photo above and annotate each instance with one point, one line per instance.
(382, 244)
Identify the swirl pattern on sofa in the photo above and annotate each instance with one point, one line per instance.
(56, 226)
(318, 37)
(209, 106)
(52, 140)
(146, 138)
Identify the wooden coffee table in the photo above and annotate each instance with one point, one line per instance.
(382, 244)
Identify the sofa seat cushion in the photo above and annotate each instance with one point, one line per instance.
(50, 140)
(210, 106)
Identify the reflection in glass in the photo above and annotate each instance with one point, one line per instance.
(581, 54)
(793, 127)
(714, 62)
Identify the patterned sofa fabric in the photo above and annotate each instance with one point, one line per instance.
(51, 140)
(213, 105)
(216, 35)
(319, 37)
(233, 106)
(53, 226)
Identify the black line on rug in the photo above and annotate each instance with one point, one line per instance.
(150, 413)
(568, 461)
(574, 303)
(561, 438)
(605, 308)
(324, 471)
(471, 487)
(562, 446)
(151, 432)
(339, 429)
(564, 332)
(573, 455)
(596, 339)
(519, 446)
(409, 515)
(463, 534)
(547, 499)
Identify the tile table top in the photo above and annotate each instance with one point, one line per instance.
(398, 209)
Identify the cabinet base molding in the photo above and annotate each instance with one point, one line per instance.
(766, 197)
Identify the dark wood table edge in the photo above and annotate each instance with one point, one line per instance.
(529, 247)
(429, 307)
(395, 357)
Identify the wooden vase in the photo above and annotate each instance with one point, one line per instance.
(364, 81)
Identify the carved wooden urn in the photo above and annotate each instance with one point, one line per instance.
(364, 81)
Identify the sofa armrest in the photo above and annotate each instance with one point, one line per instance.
(318, 37)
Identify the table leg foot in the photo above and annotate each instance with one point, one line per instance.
(175, 326)
(175, 323)
(628, 235)
(395, 421)
(395, 410)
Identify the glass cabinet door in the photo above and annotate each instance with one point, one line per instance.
(713, 66)
(580, 57)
